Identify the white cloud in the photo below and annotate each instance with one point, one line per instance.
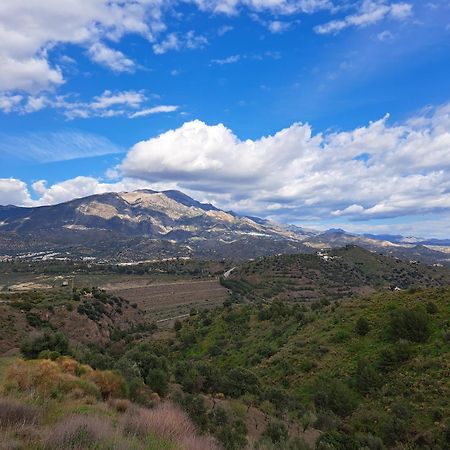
(13, 192)
(154, 110)
(277, 26)
(369, 13)
(114, 59)
(30, 28)
(224, 30)
(128, 98)
(57, 146)
(374, 171)
(228, 60)
(385, 36)
(173, 41)
(9, 103)
(108, 104)
(231, 7)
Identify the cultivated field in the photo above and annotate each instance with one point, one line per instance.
(167, 301)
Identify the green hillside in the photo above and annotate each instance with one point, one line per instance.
(371, 372)
(333, 274)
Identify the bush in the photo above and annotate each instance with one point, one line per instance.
(396, 425)
(277, 432)
(391, 357)
(240, 381)
(169, 422)
(337, 397)
(109, 383)
(413, 325)
(432, 308)
(367, 377)
(55, 342)
(362, 326)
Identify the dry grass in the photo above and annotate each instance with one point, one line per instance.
(198, 443)
(168, 422)
(14, 413)
(78, 432)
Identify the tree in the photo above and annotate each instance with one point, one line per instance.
(54, 342)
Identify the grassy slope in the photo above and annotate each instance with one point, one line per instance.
(57, 395)
(327, 347)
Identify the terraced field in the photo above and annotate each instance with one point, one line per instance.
(168, 301)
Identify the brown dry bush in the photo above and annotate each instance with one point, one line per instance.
(78, 432)
(67, 364)
(13, 413)
(109, 383)
(34, 377)
(121, 405)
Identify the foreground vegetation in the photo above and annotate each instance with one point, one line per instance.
(267, 370)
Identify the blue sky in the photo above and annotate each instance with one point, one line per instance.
(98, 96)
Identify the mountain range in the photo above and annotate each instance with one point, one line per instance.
(147, 224)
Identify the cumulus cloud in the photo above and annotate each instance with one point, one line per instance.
(13, 192)
(29, 29)
(377, 171)
(369, 13)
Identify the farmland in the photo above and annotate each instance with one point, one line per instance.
(172, 299)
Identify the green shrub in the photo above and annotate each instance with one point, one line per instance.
(335, 396)
(54, 342)
(398, 353)
(410, 324)
(367, 377)
(277, 432)
(362, 326)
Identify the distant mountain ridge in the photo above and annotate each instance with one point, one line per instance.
(152, 224)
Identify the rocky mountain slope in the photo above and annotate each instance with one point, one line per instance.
(147, 224)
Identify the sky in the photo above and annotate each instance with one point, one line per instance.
(321, 113)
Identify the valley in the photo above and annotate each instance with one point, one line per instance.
(301, 351)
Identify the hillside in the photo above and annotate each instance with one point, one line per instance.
(272, 371)
(62, 404)
(84, 317)
(370, 373)
(329, 275)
